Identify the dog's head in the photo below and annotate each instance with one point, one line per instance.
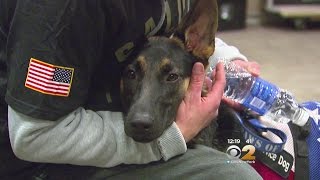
(154, 83)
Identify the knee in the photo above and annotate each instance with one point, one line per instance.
(214, 164)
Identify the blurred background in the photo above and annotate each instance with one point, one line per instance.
(283, 36)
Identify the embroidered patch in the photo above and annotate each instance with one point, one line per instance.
(49, 79)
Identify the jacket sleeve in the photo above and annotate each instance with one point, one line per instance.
(84, 137)
(225, 52)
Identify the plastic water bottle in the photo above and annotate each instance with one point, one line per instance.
(260, 96)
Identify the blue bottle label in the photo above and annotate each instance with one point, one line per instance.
(261, 97)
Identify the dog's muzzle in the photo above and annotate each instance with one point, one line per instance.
(141, 127)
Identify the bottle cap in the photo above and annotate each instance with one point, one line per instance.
(303, 118)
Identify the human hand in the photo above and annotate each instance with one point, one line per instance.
(253, 68)
(196, 112)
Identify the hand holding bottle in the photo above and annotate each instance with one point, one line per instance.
(253, 68)
(259, 96)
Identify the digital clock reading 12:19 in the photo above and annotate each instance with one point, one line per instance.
(233, 141)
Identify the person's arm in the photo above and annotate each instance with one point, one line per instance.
(92, 138)
(85, 137)
(226, 52)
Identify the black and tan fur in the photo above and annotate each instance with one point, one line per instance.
(155, 82)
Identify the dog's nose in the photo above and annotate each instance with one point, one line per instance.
(141, 123)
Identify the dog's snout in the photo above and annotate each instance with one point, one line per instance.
(141, 123)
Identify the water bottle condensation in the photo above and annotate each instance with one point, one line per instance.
(260, 96)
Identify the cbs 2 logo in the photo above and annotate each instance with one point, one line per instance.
(235, 151)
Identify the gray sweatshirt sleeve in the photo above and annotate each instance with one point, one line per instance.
(84, 137)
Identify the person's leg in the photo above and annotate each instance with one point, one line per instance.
(199, 163)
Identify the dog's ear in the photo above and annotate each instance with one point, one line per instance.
(197, 29)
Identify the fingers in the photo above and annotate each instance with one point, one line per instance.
(196, 81)
(251, 66)
(232, 104)
(208, 83)
(213, 73)
(254, 68)
(196, 112)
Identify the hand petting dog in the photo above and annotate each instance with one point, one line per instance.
(196, 112)
(194, 106)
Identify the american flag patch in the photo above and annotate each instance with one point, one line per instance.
(49, 79)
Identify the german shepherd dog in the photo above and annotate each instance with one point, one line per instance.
(154, 84)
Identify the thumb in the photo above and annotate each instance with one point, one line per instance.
(196, 81)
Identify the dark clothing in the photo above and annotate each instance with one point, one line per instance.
(94, 37)
(10, 166)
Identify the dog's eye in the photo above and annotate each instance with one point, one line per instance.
(172, 77)
(131, 74)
